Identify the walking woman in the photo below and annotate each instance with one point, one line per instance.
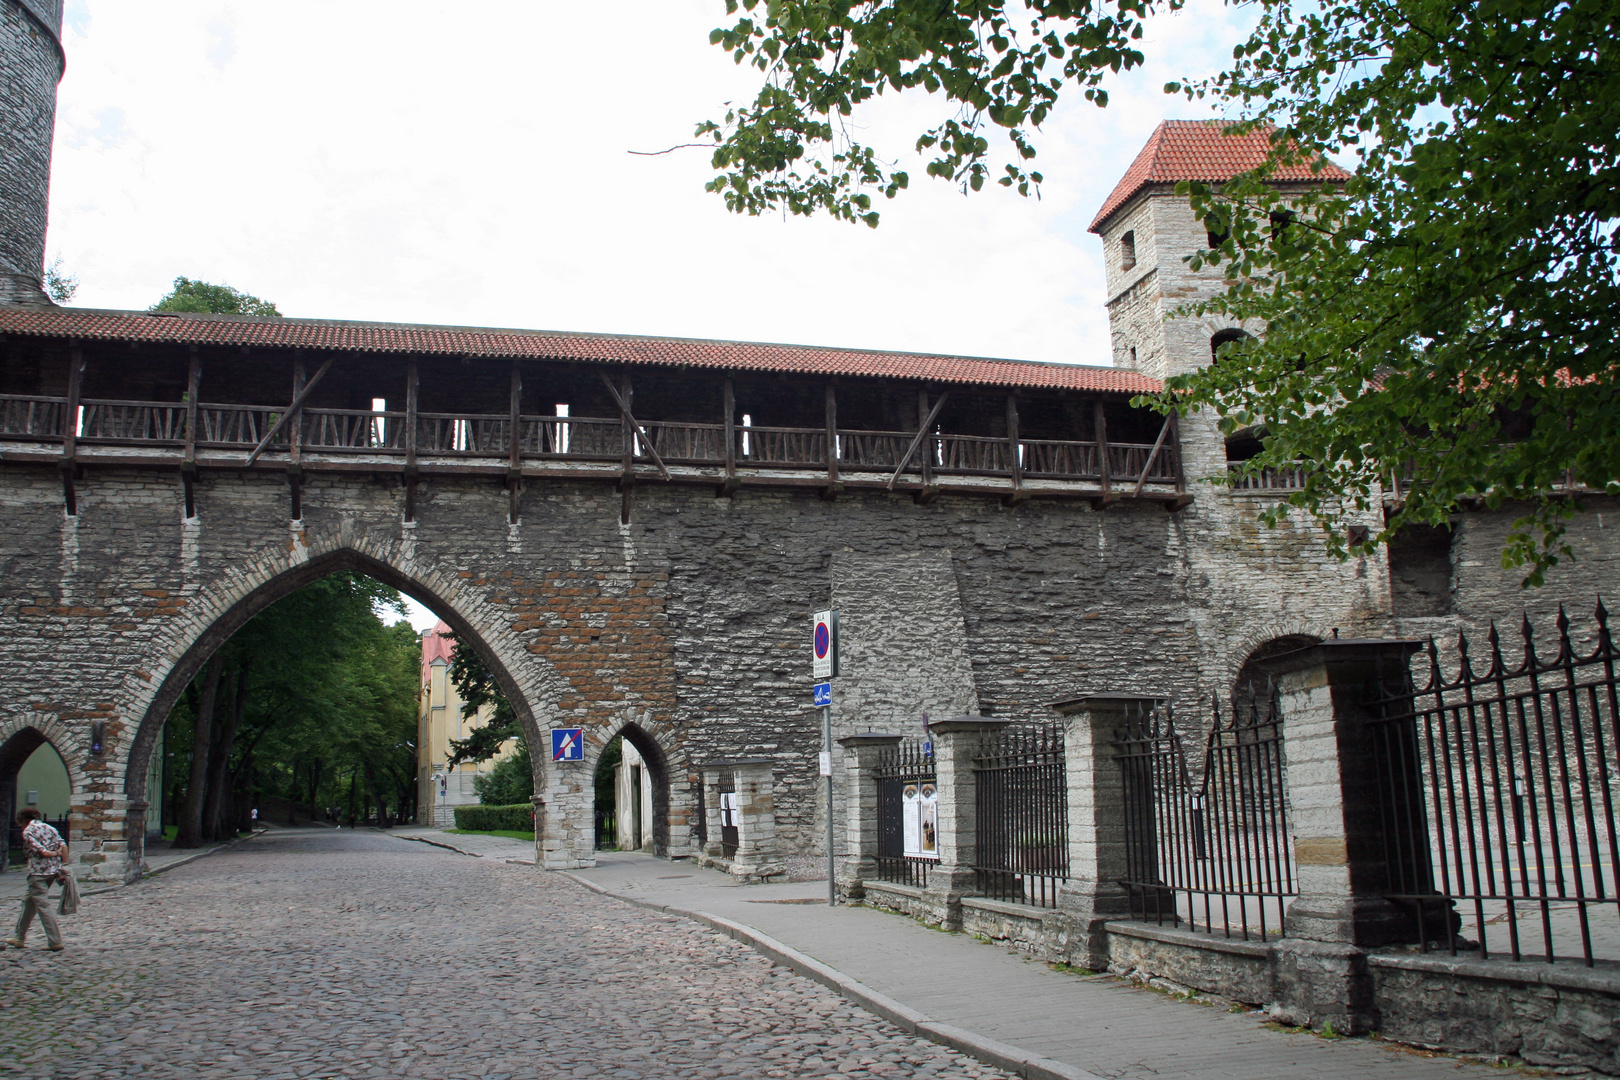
(46, 853)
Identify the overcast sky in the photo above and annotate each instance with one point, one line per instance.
(401, 161)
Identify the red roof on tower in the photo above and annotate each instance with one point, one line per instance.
(1201, 150)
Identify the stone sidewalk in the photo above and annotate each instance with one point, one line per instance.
(981, 998)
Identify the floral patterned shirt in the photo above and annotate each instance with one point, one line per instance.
(39, 838)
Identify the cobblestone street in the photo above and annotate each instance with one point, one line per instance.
(313, 953)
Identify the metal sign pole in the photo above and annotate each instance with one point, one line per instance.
(826, 749)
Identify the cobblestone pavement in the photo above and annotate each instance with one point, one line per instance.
(313, 953)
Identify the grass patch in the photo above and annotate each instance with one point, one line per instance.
(514, 834)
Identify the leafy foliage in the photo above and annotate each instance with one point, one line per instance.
(1444, 323)
(476, 684)
(490, 817)
(993, 65)
(510, 781)
(199, 296)
(60, 285)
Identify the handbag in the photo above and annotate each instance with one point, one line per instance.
(70, 894)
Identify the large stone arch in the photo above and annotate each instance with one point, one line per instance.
(217, 609)
(674, 804)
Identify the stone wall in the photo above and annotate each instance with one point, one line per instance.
(30, 67)
(687, 627)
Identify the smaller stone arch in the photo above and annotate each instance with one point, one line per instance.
(20, 736)
(1223, 337)
(673, 800)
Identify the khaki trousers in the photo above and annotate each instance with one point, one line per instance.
(35, 903)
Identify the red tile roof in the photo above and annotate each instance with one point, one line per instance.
(436, 646)
(1201, 150)
(404, 338)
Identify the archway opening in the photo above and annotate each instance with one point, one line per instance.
(315, 700)
(1252, 688)
(632, 794)
(32, 774)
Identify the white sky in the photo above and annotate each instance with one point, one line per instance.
(398, 161)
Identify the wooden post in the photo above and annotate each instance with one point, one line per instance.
(188, 465)
(1100, 423)
(1013, 449)
(730, 484)
(834, 485)
(627, 433)
(295, 439)
(514, 463)
(70, 428)
(410, 439)
(927, 448)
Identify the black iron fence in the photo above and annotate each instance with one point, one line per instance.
(908, 837)
(1215, 854)
(1500, 793)
(1021, 827)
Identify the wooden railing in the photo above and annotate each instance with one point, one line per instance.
(1267, 480)
(866, 454)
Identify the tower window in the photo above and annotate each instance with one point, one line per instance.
(1127, 250)
(1221, 338)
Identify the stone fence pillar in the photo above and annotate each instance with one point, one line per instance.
(1334, 790)
(861, 756)
(757, 857)
(956, 744)
(135, 840)
(713, 847)
(1097, 858)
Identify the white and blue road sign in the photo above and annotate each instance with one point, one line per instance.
(568, 744)
(823, 692)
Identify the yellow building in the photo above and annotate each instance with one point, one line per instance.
(439, 719)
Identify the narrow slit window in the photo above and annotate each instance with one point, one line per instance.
(1127, 250)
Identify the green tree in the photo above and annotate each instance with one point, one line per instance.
(199, 296)
(511, 781)
(1444, 316)
(476, 684)
(312, 696)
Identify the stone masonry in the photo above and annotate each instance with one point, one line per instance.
(31, 64)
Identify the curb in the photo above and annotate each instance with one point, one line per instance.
(440, 844)
(166, 867)
(990, 1051)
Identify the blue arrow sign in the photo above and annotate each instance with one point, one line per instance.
(823, 692)
(567, 744)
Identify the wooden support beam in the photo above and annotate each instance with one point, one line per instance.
(514, 461)
(193, 385)
(281, 421)
(1147, 466)
(728, 487)
(295, 439)
(410, 438)
(1014, 449)
(632, 425)
(922, 430)
(1100, 427)
(834, 485)
(70, 429)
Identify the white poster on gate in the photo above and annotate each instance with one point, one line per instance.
(928, 819)
(911, 821)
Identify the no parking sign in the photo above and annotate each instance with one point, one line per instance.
(824, 645)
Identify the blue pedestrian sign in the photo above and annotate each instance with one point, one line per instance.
(568, 744)
(823, 692)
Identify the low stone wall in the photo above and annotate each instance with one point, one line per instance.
(909, 900)
(1241, 970)
(1547, 1014)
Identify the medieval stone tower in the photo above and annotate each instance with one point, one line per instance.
(1148, 232)
(31, 64)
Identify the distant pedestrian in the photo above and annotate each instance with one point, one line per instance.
(46, 853)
